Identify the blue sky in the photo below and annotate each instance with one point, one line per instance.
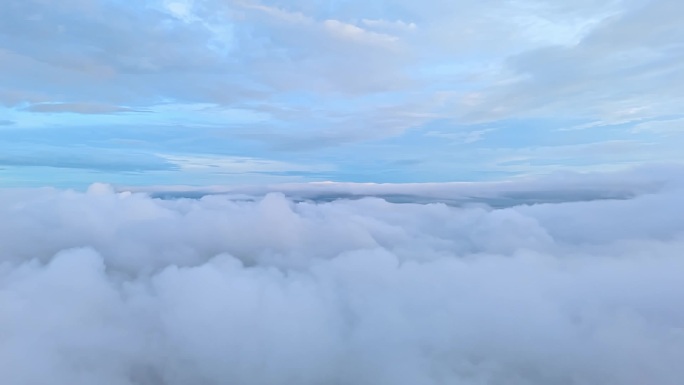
(249, 92)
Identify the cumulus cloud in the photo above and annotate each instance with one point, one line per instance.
(120, 288)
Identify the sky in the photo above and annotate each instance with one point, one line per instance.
(211, 92)
(341, 192)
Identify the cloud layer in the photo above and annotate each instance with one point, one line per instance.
(119, 288)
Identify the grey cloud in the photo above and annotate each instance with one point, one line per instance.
(13, 97)
(554, 187)
(113, 53)
(82, 157)
(79, 108)
(627, 68)
(7, 122)
(103, 36)
(110, 54)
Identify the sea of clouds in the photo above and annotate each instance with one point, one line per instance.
(119, 288)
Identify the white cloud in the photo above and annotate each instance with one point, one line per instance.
(357, 34)
(219, 164)
(278, 13)
(119, 288)
(396, 25)
(461, 137)
(181, 9)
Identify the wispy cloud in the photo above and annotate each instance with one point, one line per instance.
(461, 137)
(78, 108)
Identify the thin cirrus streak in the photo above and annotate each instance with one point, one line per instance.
(121, 288)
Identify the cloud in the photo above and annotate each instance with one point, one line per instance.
(78, 108)
(336, 28)
(120, 288)
(396, 25)
(325, 129)
(662, 127)
(129, 54)
(83, 157)
(555, 187)
(461, 137)
(623, 69)
(13, 98)
(6, 122)
(355, 33)
(235, 164)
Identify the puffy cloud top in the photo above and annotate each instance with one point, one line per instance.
(120, 288)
